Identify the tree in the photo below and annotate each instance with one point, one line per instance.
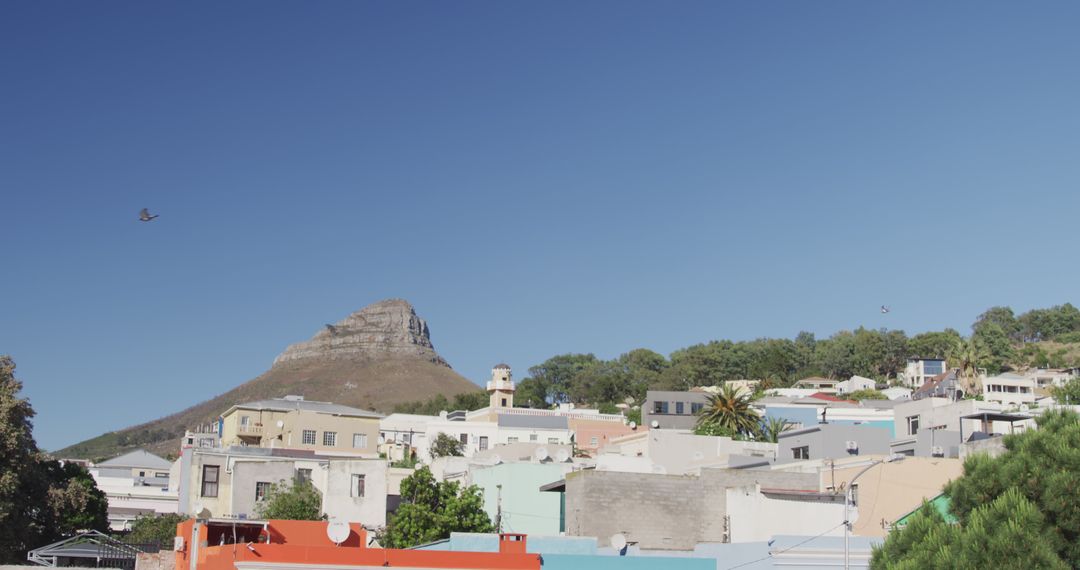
(1043, 465)
(997, 346)
(730, 410)
(933, 344)
(771, 429)
(431, 510)
(1001, 317)
(159, 528)
(868, 394)
(1068, 394)
(968, 356)
(296, 500)
(1005, 533)
(445, 446)
(41, 500)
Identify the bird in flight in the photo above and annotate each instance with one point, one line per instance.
(885, 309)
(146, 216)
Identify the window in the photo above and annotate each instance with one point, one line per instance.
(511, 440)
(594, 440)
(678, 407)
(801, 452)
(696, 407)
(309, 437)
(142, 473)
(359, 440)
(553, 440)
(329, 438)
(532, 437)
(464, 439)
(160, 474)
(358, 485)
(913, 425)
(303, 475)
(206, 442)
(244, 422)
(262, 488)
(504, 402)
(210, 480)
(483, 442)
(855, 494)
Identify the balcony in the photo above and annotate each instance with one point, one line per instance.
(250, 429)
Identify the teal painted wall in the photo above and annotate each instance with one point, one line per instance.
(525, 508)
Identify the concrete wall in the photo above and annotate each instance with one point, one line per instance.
(164, 560)
(829, 441)
(662, 512)
(245, 474)
(339, 500)
(753, 516)
(263, 431)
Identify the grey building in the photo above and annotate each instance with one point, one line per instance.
(672, 410)
(666, 512)
(832, 441)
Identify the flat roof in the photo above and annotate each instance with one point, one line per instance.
(997, 417)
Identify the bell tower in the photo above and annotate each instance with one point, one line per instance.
(501, 387)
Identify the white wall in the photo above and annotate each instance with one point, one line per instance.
(339, 502)
(755, 517)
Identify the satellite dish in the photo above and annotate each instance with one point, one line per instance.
(496, 459)
(541, 453)
(562, 456)
(337, 532)
(280, 424)
(202, 512)
(655, 424)
(633, 425)
(618, 542)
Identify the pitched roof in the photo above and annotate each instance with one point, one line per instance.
(137, 458)
(289, 405)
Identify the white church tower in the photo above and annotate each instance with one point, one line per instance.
(501, 387)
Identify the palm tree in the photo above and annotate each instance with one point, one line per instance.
(773, 427)
(968, 356)
(730, 409)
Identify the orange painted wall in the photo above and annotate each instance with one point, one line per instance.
(305, 542)
(585, 430)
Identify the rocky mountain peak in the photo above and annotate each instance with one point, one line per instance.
(389, 328)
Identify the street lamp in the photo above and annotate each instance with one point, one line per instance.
(847, 502)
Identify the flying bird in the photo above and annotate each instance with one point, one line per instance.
(885, 309)
(146, 216)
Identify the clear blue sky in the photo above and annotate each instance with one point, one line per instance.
(537, 178)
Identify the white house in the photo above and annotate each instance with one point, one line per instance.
(919, 370)
(854, 384)
(1010, 389)
(136, 483)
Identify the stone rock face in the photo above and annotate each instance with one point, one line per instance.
(385, 329)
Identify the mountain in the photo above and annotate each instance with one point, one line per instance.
(375, 358)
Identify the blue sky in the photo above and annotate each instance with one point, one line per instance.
(537, 178)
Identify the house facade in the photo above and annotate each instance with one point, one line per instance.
(295, 423)
(135, 483)
(918, 370)
(672, 410)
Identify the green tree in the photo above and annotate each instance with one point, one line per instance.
(860, 395)
(1068, 394)
(969, 356)
(445, 446)
(159, 528)
(996, 345)
(296, 500)
(1001, 317)
(730, 410)
(771, 429)
(1008, 532)
(41, 500)
(431, 510)
(933, 344)
(532, 393)
(1044, 466)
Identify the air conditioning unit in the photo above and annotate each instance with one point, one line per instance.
(937, 451)
(851, 446)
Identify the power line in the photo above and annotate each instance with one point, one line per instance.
(796, 545)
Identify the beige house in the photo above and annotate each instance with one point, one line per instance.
(294, 423)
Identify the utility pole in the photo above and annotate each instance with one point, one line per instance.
(498, 508)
